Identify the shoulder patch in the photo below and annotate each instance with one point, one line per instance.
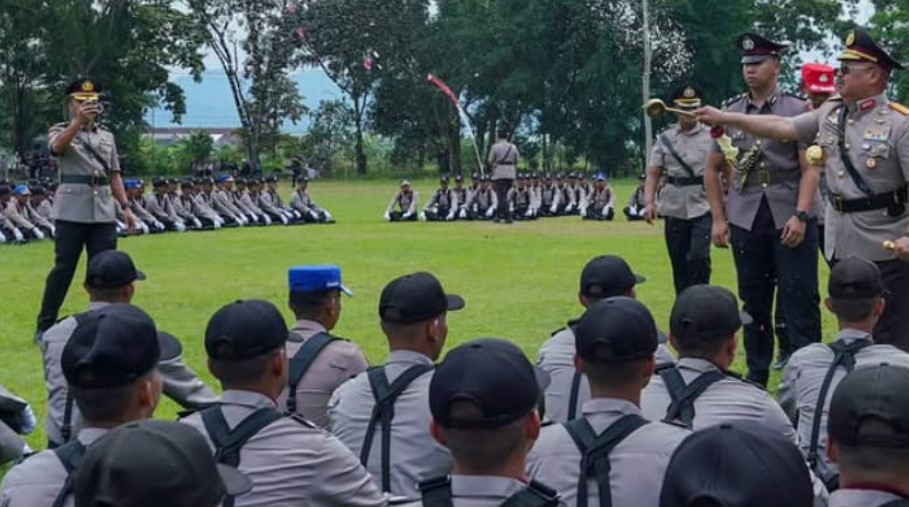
(301, 420)
(728, 102)
(899, 108)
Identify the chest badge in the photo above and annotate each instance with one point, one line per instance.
(877, 133)
(871, 163)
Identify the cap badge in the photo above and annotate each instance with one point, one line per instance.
(88, 86)
(823, 78)
(747, 43)
(850, 39)
(688, 93)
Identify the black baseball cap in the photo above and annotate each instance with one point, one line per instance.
(855, 278)
(244, 330)
(608, 275)
(616, 330)
(153, 463)
(113, 346)
(737, 464)
(872, 393)
(414, 298)
(492, 373)
(111, 269)
(706, 312)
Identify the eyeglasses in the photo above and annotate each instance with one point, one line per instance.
(846, 69)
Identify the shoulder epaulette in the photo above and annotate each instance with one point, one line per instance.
(794, 95)
(547, 423)
(899, 108)
(301, 420)
(728, 102)
(736, 376)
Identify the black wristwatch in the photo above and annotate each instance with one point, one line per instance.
(802, 215)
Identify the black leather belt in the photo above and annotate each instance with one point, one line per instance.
(685, 181)
(764, 177)
(84, 179)
(885, 200)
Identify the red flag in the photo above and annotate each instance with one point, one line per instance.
(445, 89)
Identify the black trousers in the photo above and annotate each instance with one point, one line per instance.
(893, 327)
(688, 243)
(765, 265)
(71, 238)
(501, 188)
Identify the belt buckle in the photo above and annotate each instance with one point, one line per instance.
(763, 177)
(837, 202)
(95, 182)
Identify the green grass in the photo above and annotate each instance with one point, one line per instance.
(520, 282)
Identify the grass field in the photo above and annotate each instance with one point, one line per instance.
(520, 282)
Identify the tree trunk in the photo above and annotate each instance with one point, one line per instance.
(645, 84)
(454, 145)
(358, 124)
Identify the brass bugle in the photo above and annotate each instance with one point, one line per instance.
(656, 107)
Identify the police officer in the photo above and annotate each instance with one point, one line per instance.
(461, 197)
(637, 202)
(8, 230)
(16, 418)
(769, 213)
(603, 277)
(90, 183)
(442, 203)
(110, 279)
(309, 210)
(403, 206)
(222, 202)
(699, 391)
(616, 342)
(503, 162)
(16, 211)
(483, 400)
(856, 298)
(289, 460)
(678, 156)
(600, 202)
(160, 462)
(869, 417)
(413, 310)
(482, 202)
(161, 207)
(319, 361)
(862, 145)
(110, 365)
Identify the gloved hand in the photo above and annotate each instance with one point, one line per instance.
(29, 421)
(387, 217)
(490, 212)
(314, 215)
(406, 216)
(529, 213)
(53, 232)
(422, 216)
(37, 232)
(328, 217)
(450, 217)
(19, 236)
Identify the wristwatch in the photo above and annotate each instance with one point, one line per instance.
(801, 215)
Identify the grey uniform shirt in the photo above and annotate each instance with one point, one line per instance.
(503, 157)
(291, 463)
(203, 206)
(79, 202)
(480, 490)
(483, 198)
(223, 204)
(161, 208)
(18, 217)
(37, 481)
(556, 357)
(301, 201)
(877, 133)
(637, 464)
(682, 201)
(729, 399)
(406, 202)
(337, 363)
(781, 158)
(802, 379)
(180, 383)
(415, 455)
(861, 498)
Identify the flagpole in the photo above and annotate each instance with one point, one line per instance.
(462, 115)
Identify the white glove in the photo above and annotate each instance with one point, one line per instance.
(490, 212)
(180, 226)
(2, 238)
(552, 209)
(267, 219)
(462, 214)
(583, 212)
(284, 219)
(328, 217)
(529, 212)
(450, 217)
(314, 215)
(37, 232)
(387, 217)
(53, 231)
(407, 215)
(605, 211)
(18, 234)
(216, 224)
(422, 216)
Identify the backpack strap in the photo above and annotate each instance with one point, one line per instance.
(70, 456)
(437, 493)
(843, 355)
(385, 396)
(302, 361)
(595, 450)
(573, 395)
(683, 396)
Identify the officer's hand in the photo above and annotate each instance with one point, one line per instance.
(901, 248)
(650, 213)
(86, 112)
(720, 234)
(387, 217)
(793, 233)
(710, 116)
(130, 220)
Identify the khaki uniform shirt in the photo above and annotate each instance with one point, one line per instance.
(45, 210)
(861, 498)
(503, 157)
(180, 383)
(682, 201)
(729, 399)
(78, 202)
(17, 217)
(556, 357)
(291, 463)
(637, 464)
(337, 363)
(778, 157)
(877, 137)
(37, 481)
(415, 455)
(801, 385)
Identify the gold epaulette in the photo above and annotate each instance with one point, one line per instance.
(899, 108)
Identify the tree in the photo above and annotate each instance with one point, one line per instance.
(199, 146)
(890, 27)
(330, 129)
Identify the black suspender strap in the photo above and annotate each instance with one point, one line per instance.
(843, 355)
(437, 493)
(300, 363)
(900, 502)
(595, 451)
(844, 155)
(573, 395)
(676, 156)
(70, 456)
(66, 430)
(683, 396)
(385, 396)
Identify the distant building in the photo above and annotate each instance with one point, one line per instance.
(166, 136)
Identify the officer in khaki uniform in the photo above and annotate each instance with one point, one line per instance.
(503, 164)
(616, 346)
(863, 145)
(319, 361)
(403, 206)
(678, 157)
(110, 279)
(413, 310)
(769, 214)
(110, 365)
(809, 380)
(702, 327)
(289, 460)
(90, 183)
